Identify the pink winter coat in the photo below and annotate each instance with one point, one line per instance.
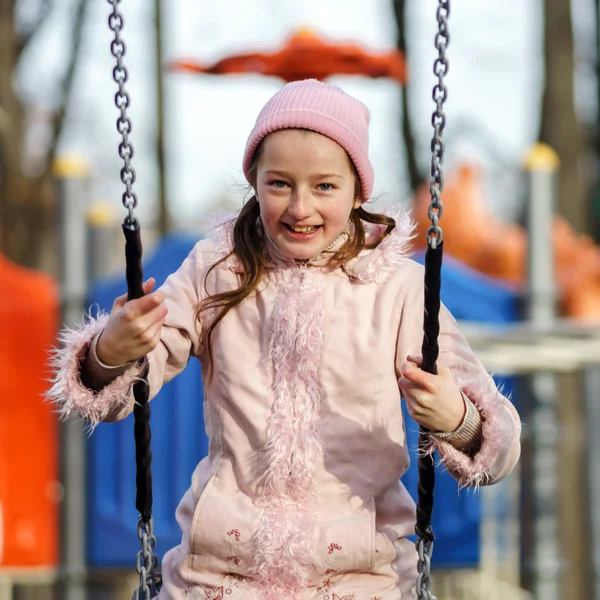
(300, 495)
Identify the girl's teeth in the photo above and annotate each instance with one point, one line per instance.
(304, 229)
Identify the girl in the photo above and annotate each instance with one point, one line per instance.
(306, 314)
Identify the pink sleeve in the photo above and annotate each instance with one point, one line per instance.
(500, 447)
(180, 338)
(501, 426)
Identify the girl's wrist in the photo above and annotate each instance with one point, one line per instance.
(100, 358)
(468, 434)
(95, 374)
(464, 408)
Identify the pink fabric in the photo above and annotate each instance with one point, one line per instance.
(67, 391)
(320, 107)
(490, 463)
(283, 544)
(300, 496)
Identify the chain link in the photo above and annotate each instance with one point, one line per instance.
(438, 121)
(146, 561)
(122, 102)
(424, 550)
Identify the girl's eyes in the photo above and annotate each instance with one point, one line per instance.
(279, 184)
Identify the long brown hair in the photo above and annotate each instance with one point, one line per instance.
(249, 249)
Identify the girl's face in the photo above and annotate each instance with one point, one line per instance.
(306, 189)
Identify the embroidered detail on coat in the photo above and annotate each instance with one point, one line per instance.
(333, 547)
(214, 593)
(236, 533)
(233, 542)
(329, 575)
(283, 552)
(230, 581)
(230, 588)
(325, 591)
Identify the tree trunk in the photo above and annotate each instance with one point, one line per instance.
(559, 126)
(9, 133)
(415, 175)
(27, 225)
(21, 222)
(164, 218)
(561, 130)
(595, 195)
(9, 118)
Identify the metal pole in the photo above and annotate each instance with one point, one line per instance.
(591, 385)
(71, 174)
(101, 225)
(542, 165)
(164, 224)
(595, 216)
(101, 232)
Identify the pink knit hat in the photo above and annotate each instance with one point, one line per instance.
(320, 107)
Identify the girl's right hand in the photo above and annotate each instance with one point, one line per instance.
(133, 328)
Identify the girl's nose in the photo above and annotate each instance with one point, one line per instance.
(299, 207)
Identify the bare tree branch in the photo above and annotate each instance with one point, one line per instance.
(560, 127)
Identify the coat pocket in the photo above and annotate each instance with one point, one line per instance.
(221, 531)
(347, 543)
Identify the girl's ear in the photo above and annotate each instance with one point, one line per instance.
(357, 203)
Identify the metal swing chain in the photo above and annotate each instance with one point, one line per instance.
(424, 545)
(122, 101)
(438, 120)
(146, 561)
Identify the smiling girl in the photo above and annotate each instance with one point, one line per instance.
(306, 313)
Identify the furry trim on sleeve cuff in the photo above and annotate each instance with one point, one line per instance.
(497, 432)
(69, 393)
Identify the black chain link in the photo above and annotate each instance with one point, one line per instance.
(438, 121)
(122, 102)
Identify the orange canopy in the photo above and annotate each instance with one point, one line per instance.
(29, 491)
(307, 56)
(480, 240)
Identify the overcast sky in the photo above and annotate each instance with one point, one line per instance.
(493, 110)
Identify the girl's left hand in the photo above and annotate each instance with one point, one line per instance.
(433, 401)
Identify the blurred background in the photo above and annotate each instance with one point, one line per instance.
(521, 228)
